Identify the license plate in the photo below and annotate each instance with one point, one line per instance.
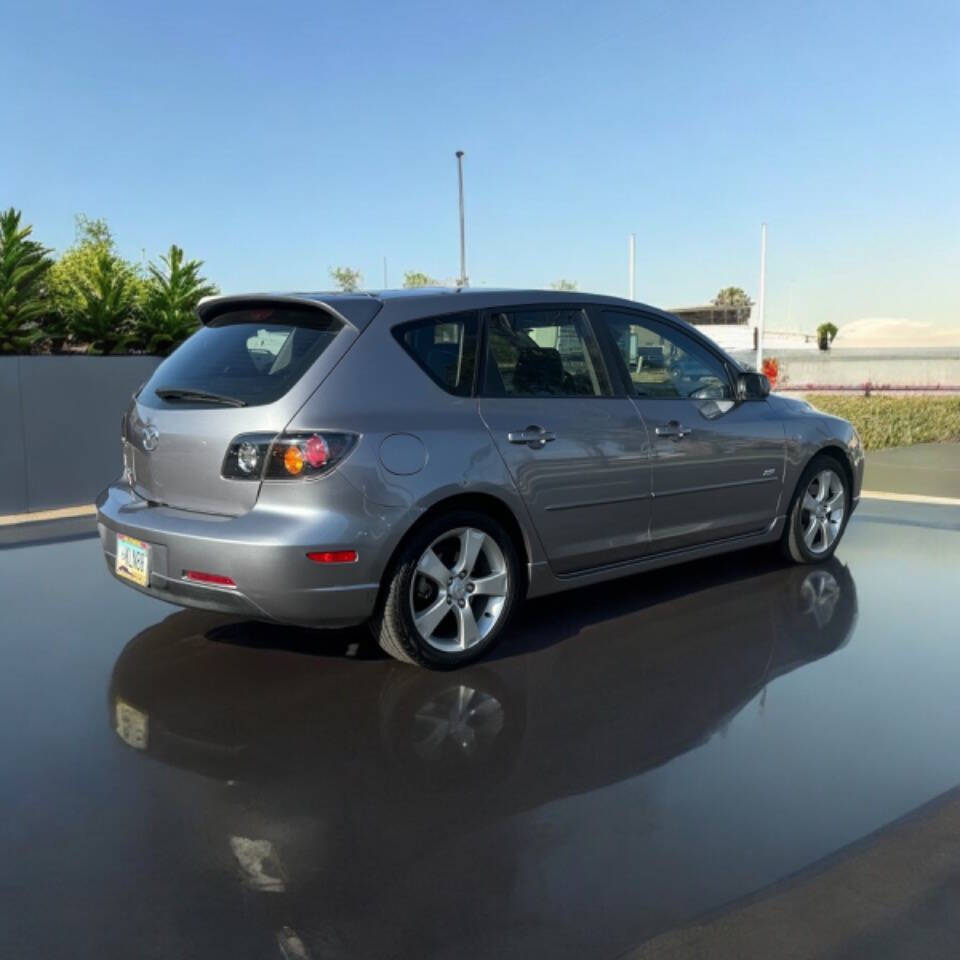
(133, 560)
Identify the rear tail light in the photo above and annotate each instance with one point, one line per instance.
(289, 456)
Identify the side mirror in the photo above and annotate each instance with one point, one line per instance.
(752, 386)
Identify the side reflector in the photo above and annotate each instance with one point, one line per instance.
(198, 576)
(333, 556)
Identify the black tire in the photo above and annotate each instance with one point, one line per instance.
(392, 623)
(792, 544)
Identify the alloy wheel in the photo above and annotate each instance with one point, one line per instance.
(459, 589)
(822, 510)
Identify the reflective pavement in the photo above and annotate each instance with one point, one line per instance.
(637, 755)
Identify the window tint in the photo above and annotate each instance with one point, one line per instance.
(664, 362)
(446, 349)
(252, 355)
(543, 353)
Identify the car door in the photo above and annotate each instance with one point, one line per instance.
(577, 451)
(718, 467)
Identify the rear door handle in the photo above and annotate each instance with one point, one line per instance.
(533, 436)
(673, 429)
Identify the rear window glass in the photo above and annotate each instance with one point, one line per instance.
(253, 356)
(445, 348)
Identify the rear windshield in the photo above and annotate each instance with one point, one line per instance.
(249, 356)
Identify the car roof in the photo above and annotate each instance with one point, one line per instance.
(398, 306)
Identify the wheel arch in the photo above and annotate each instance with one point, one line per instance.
(836, 453)
(474, 500)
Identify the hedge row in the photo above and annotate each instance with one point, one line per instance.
(886, 421)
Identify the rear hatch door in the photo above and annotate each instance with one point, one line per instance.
(249, 369)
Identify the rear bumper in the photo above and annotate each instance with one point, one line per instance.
(263, 552)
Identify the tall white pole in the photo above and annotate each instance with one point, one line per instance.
(462, 280)
(632, 267)
(761, 296)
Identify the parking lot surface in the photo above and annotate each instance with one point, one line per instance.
(636, 758)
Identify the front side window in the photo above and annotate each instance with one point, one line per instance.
(543, 353)
(445, 348)
(663, 362)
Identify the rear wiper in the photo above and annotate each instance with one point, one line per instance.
(199, 396)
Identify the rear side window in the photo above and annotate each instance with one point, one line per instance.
(252, 356)
(543, 353)
(445, 348)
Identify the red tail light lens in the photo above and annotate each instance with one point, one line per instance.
(216, 579)
(317, 451)
(333, 556)
(289, 456)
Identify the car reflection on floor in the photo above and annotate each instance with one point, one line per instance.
(347, 769)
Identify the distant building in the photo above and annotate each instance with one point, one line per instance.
(729, 327)
(710, 315)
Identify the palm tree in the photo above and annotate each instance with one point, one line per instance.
(168, 315)
(24, 264)
(825, 334)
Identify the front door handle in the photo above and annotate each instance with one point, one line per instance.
(534, 436)
(673, 429)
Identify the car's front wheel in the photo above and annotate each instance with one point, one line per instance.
(820, 511)
(451, 591)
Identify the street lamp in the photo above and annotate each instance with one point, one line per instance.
(462, 280)
(762, 296)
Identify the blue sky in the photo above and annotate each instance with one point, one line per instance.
(276, 140)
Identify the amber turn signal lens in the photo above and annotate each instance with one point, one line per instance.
(293, 460)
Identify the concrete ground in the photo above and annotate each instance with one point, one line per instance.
(730, 758)
(926, 469)
(892, 894)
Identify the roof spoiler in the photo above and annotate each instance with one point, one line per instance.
(211, 307)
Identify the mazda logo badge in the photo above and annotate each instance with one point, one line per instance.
(151, 437)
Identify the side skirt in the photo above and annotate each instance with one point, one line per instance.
(544, 581)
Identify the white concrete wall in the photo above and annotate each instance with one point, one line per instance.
(854, 368)
(738, 339)
(730, 337)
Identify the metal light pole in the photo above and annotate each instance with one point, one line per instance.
(462, 281)
(632, 266)
(761, 296)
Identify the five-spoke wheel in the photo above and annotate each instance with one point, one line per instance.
(822, 511)
(819, 513)
(451, 591)
(459, 590)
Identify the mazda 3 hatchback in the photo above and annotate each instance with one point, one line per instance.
(425, 460)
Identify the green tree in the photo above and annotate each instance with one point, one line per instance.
(346, 278)
(96, 293)
(413, 278)
(172, 292)
(563, 284)
(825, 334)
(732, 297)
(24, 266)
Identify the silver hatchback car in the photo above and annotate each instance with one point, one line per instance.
(423, 460)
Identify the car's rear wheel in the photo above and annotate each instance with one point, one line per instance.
(820, 511)
(451, 591)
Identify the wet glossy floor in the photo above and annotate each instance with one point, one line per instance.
(181, 785)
